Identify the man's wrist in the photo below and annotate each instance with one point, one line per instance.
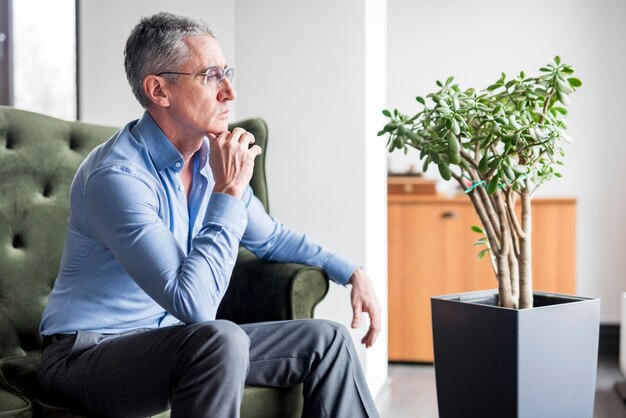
(355, 275)
(230, 190)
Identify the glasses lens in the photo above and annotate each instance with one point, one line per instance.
(229, 73)
(218, 74)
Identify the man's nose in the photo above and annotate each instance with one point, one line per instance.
(227, 91)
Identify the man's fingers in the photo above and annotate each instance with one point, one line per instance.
(356, 318)
(256, 150)
(220, 137)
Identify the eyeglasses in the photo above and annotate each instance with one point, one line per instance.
(217, 73)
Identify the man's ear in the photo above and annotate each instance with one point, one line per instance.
(155, 88)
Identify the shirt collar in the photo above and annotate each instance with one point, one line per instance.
(163, 152)
(203, 155)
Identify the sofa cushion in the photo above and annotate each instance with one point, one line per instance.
(14, 405)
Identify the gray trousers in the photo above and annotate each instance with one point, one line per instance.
(200, 370)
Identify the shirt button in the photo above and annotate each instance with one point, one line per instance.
(231, 261)
(177, 165)
(181, 188)
(244, 221)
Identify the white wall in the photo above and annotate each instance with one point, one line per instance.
(303, 67)
(476, 41)
(105, 96)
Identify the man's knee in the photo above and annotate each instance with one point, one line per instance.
(326, 330)
(223, 339)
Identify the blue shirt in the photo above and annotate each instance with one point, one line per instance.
(139, 254)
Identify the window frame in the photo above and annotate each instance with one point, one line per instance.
(6, 53)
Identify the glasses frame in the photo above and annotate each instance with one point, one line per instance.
(221, 74)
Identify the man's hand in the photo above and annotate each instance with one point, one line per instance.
(364, 300)
(232, 161)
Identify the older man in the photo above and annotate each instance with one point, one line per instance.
(157, 215)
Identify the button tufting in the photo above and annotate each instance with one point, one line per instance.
(10, 142)
(18, 241)
(73, 143)
(47, 190)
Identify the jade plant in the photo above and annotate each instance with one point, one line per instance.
(499, 144)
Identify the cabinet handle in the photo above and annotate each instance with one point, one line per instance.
(449, 215)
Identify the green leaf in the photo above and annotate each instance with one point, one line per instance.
(456, 129)
(493, 185)
(449, 80)
(563, 86)
(483, 166)
(421, 100)
(444, 170)
(557, 60)
(482, 253)
(508, 171)
(502, 121)
(563, 98)
(387, 113)
(412, 135)
(426, 163)
(574, 82)
(478, 229)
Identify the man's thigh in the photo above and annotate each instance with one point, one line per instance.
(128, 375)
(283, 352)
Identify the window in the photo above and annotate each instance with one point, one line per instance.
(5, 53)
(41, 63)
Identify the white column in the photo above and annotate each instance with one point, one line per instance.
(316, 72)
(622, 339)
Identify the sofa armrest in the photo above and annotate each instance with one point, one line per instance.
(262, 290)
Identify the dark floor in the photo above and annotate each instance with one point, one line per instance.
(410, 391)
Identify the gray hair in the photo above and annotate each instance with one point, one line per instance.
(157, 44)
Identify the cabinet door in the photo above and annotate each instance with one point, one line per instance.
(554, 246)
(431, 253)
(427, 256)
(554, 249)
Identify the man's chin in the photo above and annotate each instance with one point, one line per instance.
(218, 128)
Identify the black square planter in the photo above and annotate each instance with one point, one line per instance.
(531, 363)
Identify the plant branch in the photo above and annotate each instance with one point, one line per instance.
(512, 215)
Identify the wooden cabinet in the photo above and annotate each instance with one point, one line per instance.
(431, 253)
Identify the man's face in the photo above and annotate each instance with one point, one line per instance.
(197, 106)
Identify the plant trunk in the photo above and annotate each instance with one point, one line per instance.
(504, 282)
(525, 259)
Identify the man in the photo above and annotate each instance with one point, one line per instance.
(157, 215)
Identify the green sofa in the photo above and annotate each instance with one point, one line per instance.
(38, 158)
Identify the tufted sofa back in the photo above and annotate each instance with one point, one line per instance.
(38, 158)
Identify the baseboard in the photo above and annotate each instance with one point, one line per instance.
(609, 340)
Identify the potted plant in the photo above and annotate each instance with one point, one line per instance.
(491, 349)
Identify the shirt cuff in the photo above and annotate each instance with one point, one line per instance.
(228, 211)
(339, 268)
